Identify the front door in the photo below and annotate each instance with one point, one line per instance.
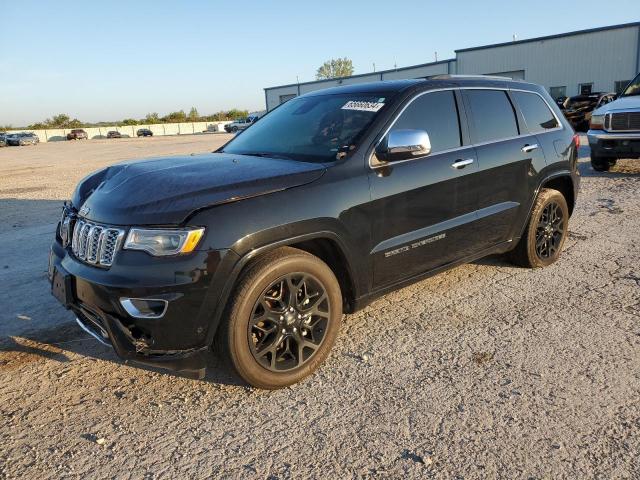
(422, 208)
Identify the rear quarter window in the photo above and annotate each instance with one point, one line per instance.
(536, 112)
(492, 115)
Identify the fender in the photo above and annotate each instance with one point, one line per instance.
(253, 253)
(550, 176)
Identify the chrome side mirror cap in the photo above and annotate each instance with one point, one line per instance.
(403, 145)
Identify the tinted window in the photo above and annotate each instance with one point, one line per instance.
(437, 114)
(536, 112)
(493, 115)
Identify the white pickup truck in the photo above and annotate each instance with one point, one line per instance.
(614, 131)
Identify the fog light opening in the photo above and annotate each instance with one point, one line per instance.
(145, 307)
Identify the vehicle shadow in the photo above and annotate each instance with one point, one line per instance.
(62, 343)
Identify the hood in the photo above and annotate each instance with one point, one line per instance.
(622, 103)
(166, 191)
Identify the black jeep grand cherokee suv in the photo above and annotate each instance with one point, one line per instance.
(332, 199)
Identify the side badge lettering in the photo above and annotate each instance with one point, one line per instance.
(421, 243)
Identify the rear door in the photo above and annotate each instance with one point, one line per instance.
(421, 208)
(508, 156)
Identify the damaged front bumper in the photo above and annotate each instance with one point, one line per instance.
(174, 338)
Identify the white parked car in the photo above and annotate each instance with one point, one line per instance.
(241, 123)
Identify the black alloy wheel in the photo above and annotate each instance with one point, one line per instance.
(549, 231)
(283, 318)
(543, 237)
(289, 322)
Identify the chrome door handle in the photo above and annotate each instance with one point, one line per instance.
(462, 163)
(530, 148)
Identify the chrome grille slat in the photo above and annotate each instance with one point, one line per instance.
(93, 246)
(624, 121)
(93, 243)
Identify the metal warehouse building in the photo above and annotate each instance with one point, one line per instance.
(598, 59)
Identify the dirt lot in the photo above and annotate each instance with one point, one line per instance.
(485, 371)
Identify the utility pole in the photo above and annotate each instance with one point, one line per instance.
(374, 66)
(436, 56)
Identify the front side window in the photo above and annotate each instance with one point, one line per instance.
(493, 115)
(535, 111)
(437, 114)
(633, 88)
(311, 129)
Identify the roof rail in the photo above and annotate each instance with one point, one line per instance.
(447, 76)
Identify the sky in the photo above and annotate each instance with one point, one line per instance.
(105, 61)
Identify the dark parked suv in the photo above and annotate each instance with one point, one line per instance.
(578, 109)
(77, 134)
(331, 200)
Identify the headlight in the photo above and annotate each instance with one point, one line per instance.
(597, 122)
(163, 242)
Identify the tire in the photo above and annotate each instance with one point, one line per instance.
(234, 129)
(600, 164)
(241, 339)
(545, 234)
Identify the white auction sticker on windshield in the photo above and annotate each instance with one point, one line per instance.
(363, 106)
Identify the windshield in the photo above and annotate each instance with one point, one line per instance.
(311, 129)
(633, 88)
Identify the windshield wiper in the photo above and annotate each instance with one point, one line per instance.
(265, 155)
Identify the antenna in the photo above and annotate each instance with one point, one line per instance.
(436, 55)
(374, 66)
(515, 37)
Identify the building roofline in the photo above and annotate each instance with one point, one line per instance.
(380, 72)
(550, 37)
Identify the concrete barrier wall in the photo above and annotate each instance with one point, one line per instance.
(190, 128)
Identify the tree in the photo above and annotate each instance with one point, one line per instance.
(58, 121)
(61, 120)
(151, 118)
(175, 117)
(234, 114)
(193, 115)
(334, 68)
(129, 121)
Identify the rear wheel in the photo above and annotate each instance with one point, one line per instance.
(283, 320)
(602, 164)
(546, 231)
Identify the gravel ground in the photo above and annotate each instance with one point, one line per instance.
(485, 371)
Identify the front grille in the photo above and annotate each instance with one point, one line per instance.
(624, 121)
(90, 242)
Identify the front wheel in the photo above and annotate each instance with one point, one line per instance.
(283, 319)
(545, 233)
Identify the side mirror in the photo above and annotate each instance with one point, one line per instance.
(403, 145)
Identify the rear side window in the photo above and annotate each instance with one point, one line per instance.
(437, 114)
(493, 115)
(536, 112)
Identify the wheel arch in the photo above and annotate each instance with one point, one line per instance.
(564, 184)
(326, 245)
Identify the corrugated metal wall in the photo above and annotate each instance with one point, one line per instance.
(601, 58)
(273, 96)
